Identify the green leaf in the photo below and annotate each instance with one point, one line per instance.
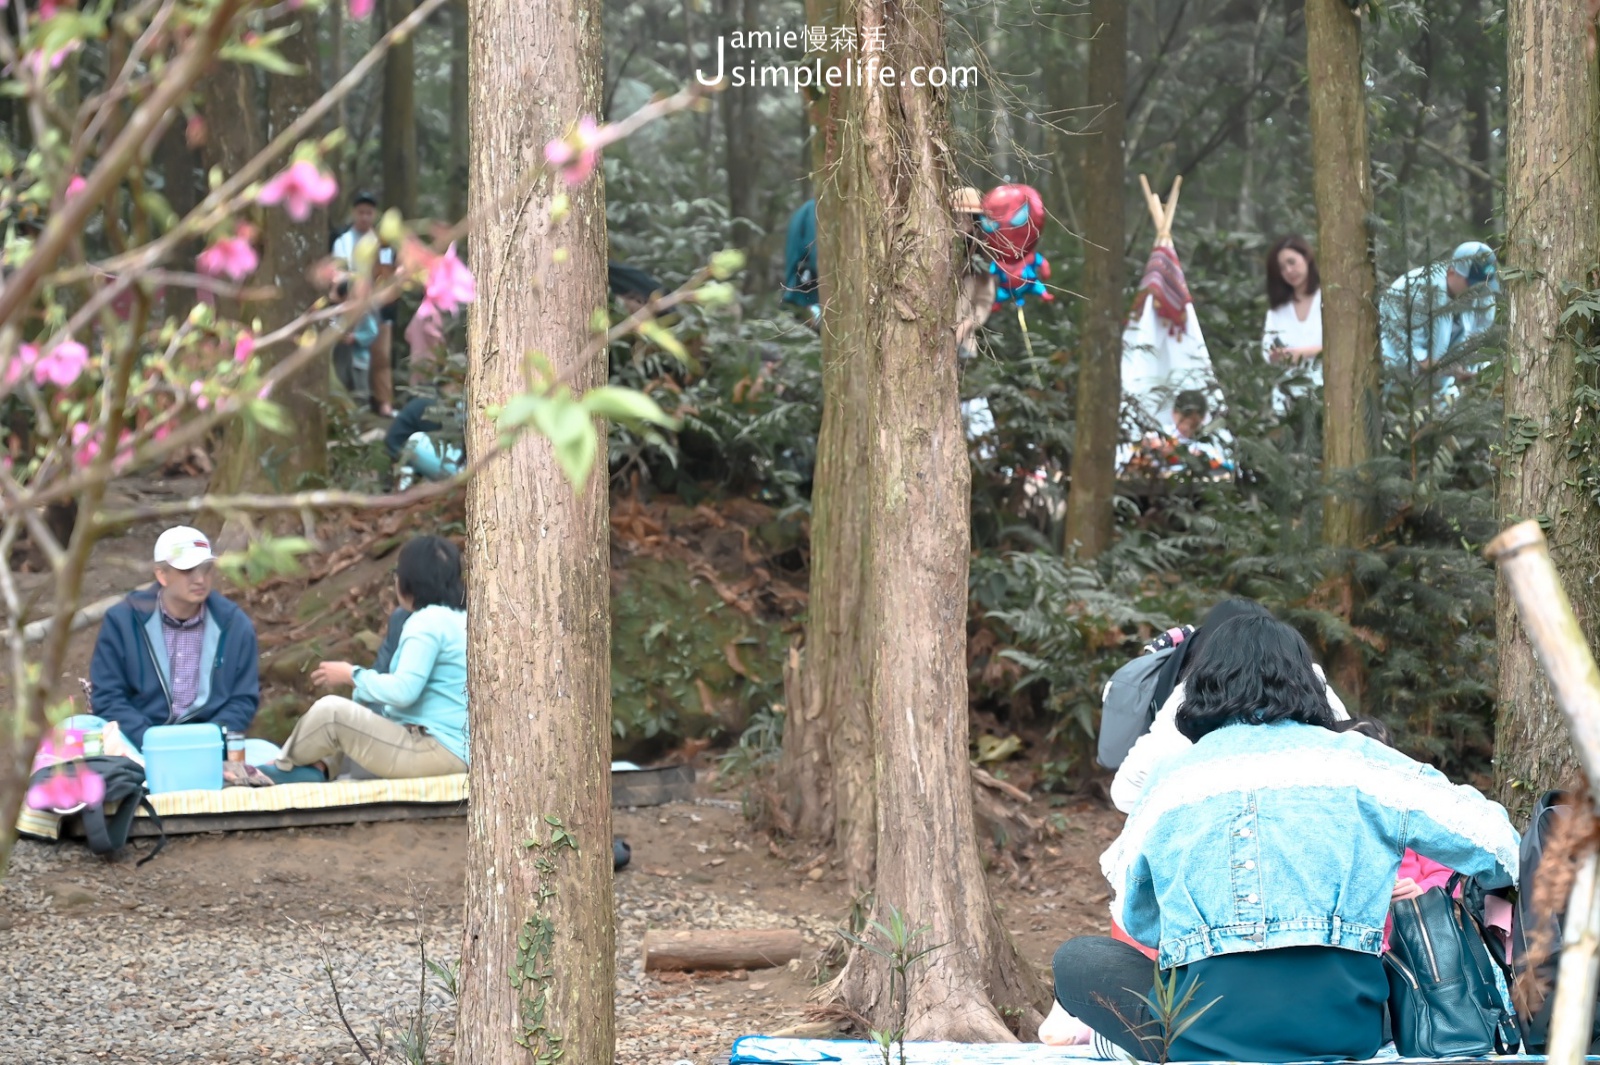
(625, 405)
(726, 263)
(663, 338)
(259, 56)
(268, 415)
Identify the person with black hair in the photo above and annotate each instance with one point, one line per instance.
(363, 217)
(1261, 862)
(422, 729)
(1164, 741)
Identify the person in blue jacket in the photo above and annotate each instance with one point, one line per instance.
(1429, 312)
(177, 652)
(800, 261)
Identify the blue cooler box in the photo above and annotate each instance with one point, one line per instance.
(183, 758)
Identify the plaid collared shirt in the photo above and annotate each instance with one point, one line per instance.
(184, 640)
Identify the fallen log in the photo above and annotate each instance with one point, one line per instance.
(736, 949)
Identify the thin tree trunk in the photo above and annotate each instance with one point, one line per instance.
(1480, 140)
(1094, 450)
(893, 140)
(999, 116)
(399, 137)
(539, 661)
(739, 143)
(252, 459)
(459, 111)
(825, 776)
(340, 206)
(1552, 195)
(1342, 187)
(182, 194)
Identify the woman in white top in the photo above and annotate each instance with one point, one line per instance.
(1293, 330)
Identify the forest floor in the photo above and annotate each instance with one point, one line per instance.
(227, 947)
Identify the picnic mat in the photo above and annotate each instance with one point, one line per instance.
(766, 1050)
(451, 789)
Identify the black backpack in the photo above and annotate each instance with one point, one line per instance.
(1536, 1026)
(125, 793)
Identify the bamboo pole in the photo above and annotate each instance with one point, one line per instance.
(1572, 1013)
(1523, 556)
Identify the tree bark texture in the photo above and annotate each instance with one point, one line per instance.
(1552, 240)
(399, 136)
(825, 776)
(893, 139)
(740, 144)
(1342, 187)
(252, 459)
(539, 663)
(1094, 448)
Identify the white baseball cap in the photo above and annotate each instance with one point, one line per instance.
(183, 548)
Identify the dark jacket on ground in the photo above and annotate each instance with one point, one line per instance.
(131, 678)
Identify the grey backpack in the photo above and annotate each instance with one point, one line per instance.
(1128, 706)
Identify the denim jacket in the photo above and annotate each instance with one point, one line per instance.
(1288, 835)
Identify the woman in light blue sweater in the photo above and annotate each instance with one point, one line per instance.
(422, 728)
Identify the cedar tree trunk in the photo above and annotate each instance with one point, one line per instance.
(1094, 447)
(1552, 194)
(539, 660)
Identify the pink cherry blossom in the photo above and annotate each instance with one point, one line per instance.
(197, 391)
(85, 444)
(573, 153)
(75, 186)
(450, 283)
(21, 363)
(360, 9)
(299, 188)
(63, 365)
(48, 9)
(233, 257)
(39, 64)
(64, 791)
(161, 432)
(244, 347)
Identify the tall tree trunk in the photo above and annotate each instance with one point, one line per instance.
(1094, 446)
(460, 109)
(1000, 141)
(918, 502)
(179, 186)
(1552, 195)
(399, 137)
(251, 459)
(1342, 188)
(738, 139)
(825, 776)
(340, 206)
(539, 576)
(1480, 140)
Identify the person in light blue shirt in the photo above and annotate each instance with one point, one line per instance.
(420, 729)
(1429, 312)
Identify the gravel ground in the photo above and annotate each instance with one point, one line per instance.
(211, 952)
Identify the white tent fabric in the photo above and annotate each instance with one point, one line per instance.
(1157, 365)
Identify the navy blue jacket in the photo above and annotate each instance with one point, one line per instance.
(127, 669)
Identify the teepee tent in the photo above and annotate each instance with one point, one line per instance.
(1163, 351)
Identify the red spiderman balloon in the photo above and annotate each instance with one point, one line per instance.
(1013, 218)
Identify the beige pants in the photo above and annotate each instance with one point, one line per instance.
(336, 728)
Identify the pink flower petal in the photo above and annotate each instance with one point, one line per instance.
(63, 366)
(360, 9)
(75, 186)
(91, 786)
(243, 348)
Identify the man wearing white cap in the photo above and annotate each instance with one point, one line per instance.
(176, 652)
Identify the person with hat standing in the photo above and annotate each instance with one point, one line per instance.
(363, 216)
(177, 652)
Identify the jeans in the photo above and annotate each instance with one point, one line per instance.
(1101, 982)
(336, 728)
(352, 366)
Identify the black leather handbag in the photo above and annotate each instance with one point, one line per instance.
(1443, 998)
